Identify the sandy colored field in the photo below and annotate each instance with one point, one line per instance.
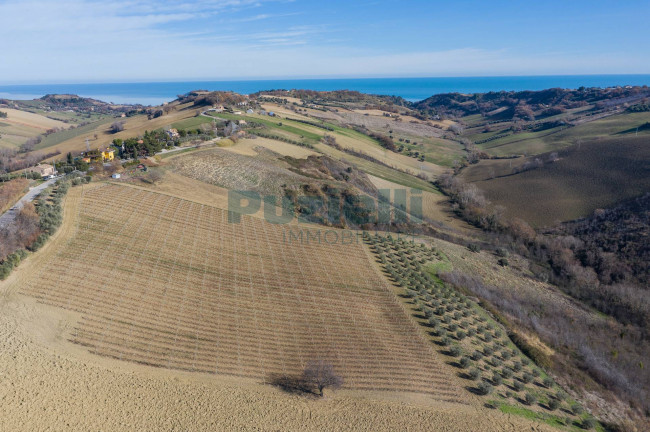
(179, 186)
(49, 383)
(31, 120)
(19, 125)
(247, 147)
(179, 287)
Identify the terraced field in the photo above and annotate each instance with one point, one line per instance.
(170, 283)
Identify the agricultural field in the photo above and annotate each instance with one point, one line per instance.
(594, 174)
(20, 125)
(347, 138)
(476, 344)
(253, 147)
(174, 285)
(262, 173)
(557, 138)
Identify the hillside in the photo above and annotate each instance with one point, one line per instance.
(462, 304)
(569, 184)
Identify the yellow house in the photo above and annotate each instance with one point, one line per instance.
(105, 155)
(108, 155)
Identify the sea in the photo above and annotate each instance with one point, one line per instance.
(411, 89)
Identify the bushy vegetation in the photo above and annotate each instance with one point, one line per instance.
(31, 228)
(523, 104)
(462, 328)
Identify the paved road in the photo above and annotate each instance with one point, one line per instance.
(9, 216)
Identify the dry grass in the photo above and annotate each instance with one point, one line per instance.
(262, 173)
(247, 147)
(71, 389)
(434, 206)
(174, 285)
(21, 125)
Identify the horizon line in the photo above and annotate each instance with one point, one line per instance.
(312, 78)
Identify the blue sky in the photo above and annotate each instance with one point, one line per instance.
(144, 40)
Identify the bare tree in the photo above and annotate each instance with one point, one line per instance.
(320, 374)
(117, 126)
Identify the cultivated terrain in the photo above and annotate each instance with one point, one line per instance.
(464, 262)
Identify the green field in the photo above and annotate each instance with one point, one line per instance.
(531, 143)
(61, 136)
(192, 122)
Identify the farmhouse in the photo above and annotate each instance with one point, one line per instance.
(45, 170)
(116, 176)
(172, 133)
(250, 111)
(99, 155)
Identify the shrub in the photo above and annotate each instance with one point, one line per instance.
(474, 247)
(496, 379)
(460, 335)
(560, 395)
(455, 351)
(484, 388)
(516, 366)
(471, 332)
(487, 350)
(576, 409)
(588, 423)
(474, 374)
(530, 398)
(464, 362)
(536, 372)
(477, 355)
(527, 378)
(548, 382)
(506, 372)
(553, 404)
(503, 262)
(445, 341)
(505, 354)
(518, 386)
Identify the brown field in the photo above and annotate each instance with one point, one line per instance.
(170, 283)
(595, 174)
(48, 382)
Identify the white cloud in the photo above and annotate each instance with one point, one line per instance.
(87, 40)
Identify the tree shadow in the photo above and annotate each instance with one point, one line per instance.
(474, 390)
(291, 384)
